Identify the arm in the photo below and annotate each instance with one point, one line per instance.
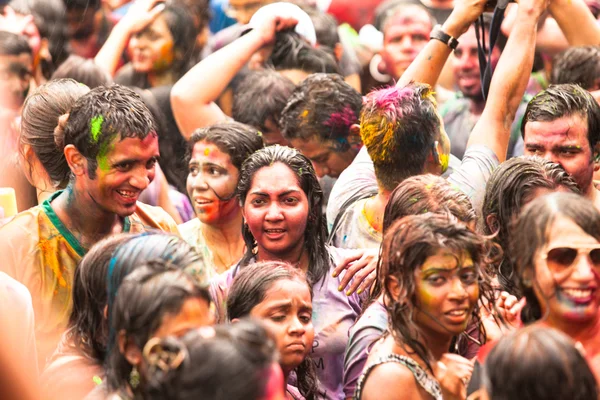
(509, 81)
(193, 96)
(576, 21)
(428, 65)
(140, 15)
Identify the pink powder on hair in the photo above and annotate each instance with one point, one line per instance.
(343, 119)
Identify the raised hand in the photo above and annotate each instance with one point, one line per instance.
(453, 373)
(141, 14)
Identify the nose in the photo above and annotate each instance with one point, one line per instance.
(468, 61)
(320, 170)
(274, 212)
(141, 178)
(584, 271)
(458, 292)
(296, 327)
(198, 182)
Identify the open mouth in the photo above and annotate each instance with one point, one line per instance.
(458, 315)
(128, 194)
(202, 202)
(577, 295)
(274, 233)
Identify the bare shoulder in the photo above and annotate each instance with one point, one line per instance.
(392, 381)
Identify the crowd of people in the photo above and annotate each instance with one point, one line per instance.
(260, 200)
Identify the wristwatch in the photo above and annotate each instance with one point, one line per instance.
(438, 34)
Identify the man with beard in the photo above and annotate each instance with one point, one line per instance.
(462, 112)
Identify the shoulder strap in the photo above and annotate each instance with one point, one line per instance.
(342, 211)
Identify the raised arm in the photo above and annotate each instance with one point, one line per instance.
(141, 13)
(509, 81)
(428, 65)
(193, 96)
(576, 21)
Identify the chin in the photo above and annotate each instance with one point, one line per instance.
(141, 67)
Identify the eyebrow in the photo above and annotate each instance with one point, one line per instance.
(279, 195)
(133, 160)
(208, 163)
(287, 304)
(444, 270)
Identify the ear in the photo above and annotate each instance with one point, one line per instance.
(393, 286)
(338, 51)
(129, 350)
(354, 136)
(45, 50)
(492, 222)
(77, 162)
(235, 320)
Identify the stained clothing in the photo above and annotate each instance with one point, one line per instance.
(40, 252)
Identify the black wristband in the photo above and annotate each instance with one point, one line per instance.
(438, 34)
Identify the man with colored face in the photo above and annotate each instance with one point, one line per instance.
(562, 125)
(462, 111)
(110, 152)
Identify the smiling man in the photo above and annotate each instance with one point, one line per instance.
(562, 125)
(110, 152)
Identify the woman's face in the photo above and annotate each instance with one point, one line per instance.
(566, 285)
(211, 181)
(446, 291)
(276, 211)
(152, 49)
(287, 312)
(195, 312)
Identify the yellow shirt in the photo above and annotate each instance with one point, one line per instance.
(38, 250)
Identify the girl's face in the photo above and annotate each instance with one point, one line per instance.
(567, 274)
(152, 49)
(195, 312)
(276, 211)
(446, 291)
(287, 312)
(211, 183)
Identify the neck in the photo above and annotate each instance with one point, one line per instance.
(476, 107)
(437, 344)
(228, 230)
(375, 208)
(225, 241)
(297, 257)
(161, 78)
(585, 332)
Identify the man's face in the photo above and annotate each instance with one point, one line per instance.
(243, 10)
(564, 141)
(326, 160)
(465, 65)
(125, 168)
(404, 36)
(15, 76)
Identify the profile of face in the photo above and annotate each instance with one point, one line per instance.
(324, 156)
(152, 49)
(404, 36)
(465, 65)
(567, 274)
(446, 291)
(16, 72)
(211, 183)
(276, 211)
(564, 141)
(125, 168)
(286, 311)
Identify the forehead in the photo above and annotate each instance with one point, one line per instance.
(568, 130)
(134, 148)
(407, 20)
(205, 151)
(312, 146)
(564, 231)
(275, 178)
(284, 289)
(23, 59)
(447, 259)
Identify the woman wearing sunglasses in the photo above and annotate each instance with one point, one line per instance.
(555, 247)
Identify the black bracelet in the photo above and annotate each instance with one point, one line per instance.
(438, 34)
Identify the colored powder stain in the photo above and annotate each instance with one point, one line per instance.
(49, 254)
(345, 238)
(259, 133)
(300, 171)
(445, 161)
(341, 120)
(206, 151)
(103, 162)
(97, 380)
(304, 114)
(414, 200)
(429, 186)
(165, 59)
(96, 127)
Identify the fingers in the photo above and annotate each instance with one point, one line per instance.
(283, 23)
(345, 262)
(362, 280)
(350, 272)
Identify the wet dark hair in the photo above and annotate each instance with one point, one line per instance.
(538, 363)
(82, 4)
(235, 139)
(146, 296)
(530, 233)
(83, 70)
(225, 362)
(184, 30)
(249, 289)
(39, 118)
(326, 29)
(291, 51)
(260, 97)
(399, 127)
(315, 235)
(322, 105)
(96, 119)
(49, 18)
(406, 245)
(147, 247)
(427, 193)
(579, 65)
(509, 188)
(12, 44)
(87, 329)
(565, 100)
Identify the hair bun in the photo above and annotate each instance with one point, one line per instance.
(166, 355)
(59, 131)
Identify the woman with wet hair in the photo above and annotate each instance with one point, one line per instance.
(157, 299)
(537, 363)
(512, 185)
(281, 203)
(227, 362)
(432, 268)
(215, 160)
(279, 294)
(555, 248)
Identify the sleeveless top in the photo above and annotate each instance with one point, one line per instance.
(428, 383)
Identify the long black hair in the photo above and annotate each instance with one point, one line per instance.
(315, 235)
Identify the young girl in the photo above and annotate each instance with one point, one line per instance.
(280, 296)
(431, 266)
(216, 157)
(282, 207)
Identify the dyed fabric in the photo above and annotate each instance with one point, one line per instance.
(363, 335)
(333, 315)
(294, 392)
(41, 253)
(354, 230)
(191, 233)
(459, 122)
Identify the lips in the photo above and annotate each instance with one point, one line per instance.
(457, 315)
(274, 233)
(296, 346)
(128, 196)
(580, 296)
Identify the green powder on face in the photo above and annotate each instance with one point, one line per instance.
(96, 127)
